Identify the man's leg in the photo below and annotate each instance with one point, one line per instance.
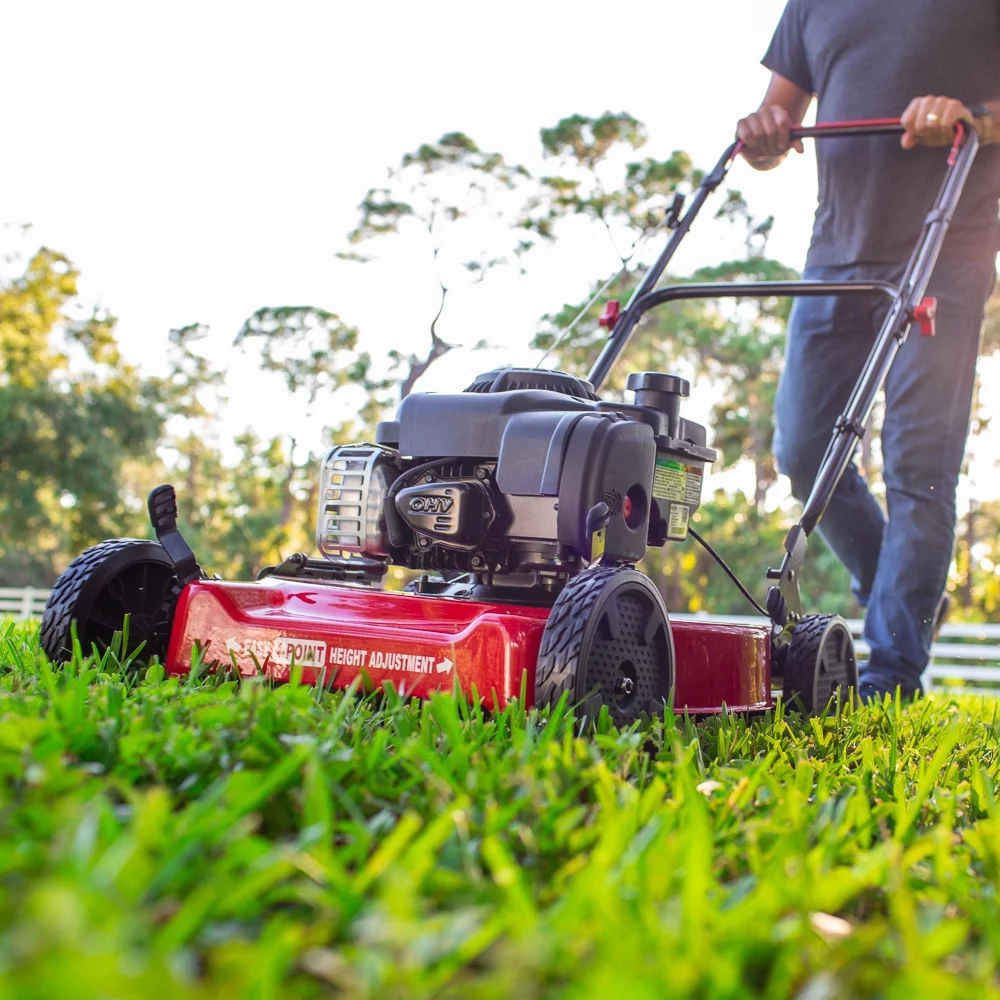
(928, 400)
(829, 340)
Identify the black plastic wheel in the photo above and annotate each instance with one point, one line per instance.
(607, 642)
(118, 577)
(819, 663)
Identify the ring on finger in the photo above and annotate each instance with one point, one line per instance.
(931, 118)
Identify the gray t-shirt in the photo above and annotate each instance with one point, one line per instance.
(869, 59)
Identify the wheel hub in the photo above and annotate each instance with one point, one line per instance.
(626, 683)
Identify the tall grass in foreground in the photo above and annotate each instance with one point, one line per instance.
(208, 838)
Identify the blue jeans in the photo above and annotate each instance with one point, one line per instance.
(898, 562)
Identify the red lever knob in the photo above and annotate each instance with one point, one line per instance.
(612, 308)
(924, 315)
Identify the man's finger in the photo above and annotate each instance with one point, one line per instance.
(916, 121)
(909, 120)
(782, 129)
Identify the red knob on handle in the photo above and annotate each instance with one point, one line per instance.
(612, 309)
(924, 315)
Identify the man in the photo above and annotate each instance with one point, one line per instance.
(879, 60)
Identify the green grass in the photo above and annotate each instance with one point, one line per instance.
(206, 838)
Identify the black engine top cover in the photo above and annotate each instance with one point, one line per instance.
(518, 379)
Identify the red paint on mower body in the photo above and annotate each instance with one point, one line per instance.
(421, 643)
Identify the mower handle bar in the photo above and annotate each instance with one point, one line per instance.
(765, 290)
(869, 126)
(901, 314)
(736, 290)
(965, 147)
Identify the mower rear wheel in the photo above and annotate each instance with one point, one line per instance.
(115, 578)
(607, 642)
(819, 663)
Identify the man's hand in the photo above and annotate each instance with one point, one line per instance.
(931, 121)
(766, 136)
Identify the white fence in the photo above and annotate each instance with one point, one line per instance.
(967, 653)
(21, 603)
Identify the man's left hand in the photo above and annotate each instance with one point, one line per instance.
(931, 121)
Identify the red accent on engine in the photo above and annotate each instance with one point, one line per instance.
(423, 643)
(925, 314)
(612, 310)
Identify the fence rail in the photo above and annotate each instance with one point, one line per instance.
(966, 653)
(22, 602)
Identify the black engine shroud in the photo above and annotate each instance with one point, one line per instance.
(525, 472)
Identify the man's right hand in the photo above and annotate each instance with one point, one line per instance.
(766, 136)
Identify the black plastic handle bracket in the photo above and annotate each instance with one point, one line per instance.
(162, 505)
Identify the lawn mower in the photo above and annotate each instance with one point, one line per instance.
(523, 504)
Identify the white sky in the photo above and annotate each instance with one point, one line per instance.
(200, 160)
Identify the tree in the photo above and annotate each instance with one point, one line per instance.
(627, 199)
(317, 355)
(977, 520)
(744, 356)
(435, 193)
(191, 399)
(750, 540)
(72, 414)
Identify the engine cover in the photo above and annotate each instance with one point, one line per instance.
(454, 514)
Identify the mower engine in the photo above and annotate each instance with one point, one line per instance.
(519, 482)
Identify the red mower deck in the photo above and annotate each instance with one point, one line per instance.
(422, 644)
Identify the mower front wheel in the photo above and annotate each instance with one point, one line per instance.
(115, 578)
(819, 663)
(607, 642)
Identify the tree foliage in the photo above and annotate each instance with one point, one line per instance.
(72, 414)
(442, 193)
(313, 349)
(595, 179)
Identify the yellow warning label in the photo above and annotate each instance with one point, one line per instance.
(677, 482)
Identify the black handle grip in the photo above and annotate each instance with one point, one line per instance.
(869, 126)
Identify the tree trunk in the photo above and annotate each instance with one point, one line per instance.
(312, 498)
(969, 539)
(287, 499)
(760, 483)
(866, 451)
(673, 592)
(191, 481)
(968, 543)
(757, 453)
(439, 348)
